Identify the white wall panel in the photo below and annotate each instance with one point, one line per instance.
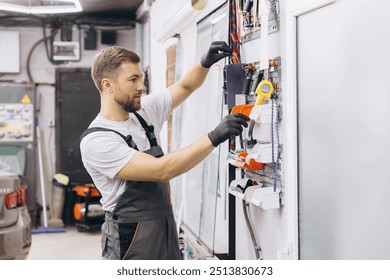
(9, 51)
(343, 93)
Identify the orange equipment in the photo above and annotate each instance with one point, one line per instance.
(87, 211)
(243, 109)
(253, 164)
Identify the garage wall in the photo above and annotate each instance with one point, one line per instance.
(43, 74)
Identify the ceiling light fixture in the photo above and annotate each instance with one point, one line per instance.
(55, 7)
(183, 17)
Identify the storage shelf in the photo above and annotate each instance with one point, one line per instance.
(263, 197)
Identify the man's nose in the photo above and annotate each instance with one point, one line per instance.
(141, 86)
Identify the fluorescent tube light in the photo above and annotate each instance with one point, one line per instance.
(186, 15)
(73, 7)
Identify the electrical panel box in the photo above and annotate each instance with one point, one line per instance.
(258, 151)
(108, 37)
(9, 51)
(66, 51)
(17, 121)
(16, 113)
(90, 39)
(251, 19)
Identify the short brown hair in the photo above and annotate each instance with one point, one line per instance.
(108, 60)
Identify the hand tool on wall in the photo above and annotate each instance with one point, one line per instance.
(248, 13)
(245, 110)
(248, 70)
(257, 77)
(264, 90)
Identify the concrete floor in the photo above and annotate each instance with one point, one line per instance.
(69, 245)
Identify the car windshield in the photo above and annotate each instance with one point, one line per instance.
(12, 159)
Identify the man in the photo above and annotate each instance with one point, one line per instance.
(121, 152)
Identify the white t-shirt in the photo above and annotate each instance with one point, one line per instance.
(105, 153)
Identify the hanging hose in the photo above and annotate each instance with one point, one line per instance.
(256, 247)
(49, 51)
(29, 58)
(44, 39)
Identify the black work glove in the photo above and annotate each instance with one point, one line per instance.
(230, 125)
(217, 51)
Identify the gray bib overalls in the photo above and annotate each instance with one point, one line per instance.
(142, 225)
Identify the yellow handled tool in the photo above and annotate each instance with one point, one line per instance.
(264, 90)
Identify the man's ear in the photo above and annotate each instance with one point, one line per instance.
(106, 84)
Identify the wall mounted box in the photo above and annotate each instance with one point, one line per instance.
(66, 51)
(262, 153)
(108, 37)
(90, 39)
(9, 52)
(264, 197)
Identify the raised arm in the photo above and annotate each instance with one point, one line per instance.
(194, 78)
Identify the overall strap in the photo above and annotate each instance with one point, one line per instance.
(128, 139)
(149, 130)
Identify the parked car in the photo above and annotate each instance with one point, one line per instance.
(15, 221)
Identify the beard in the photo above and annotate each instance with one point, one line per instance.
(129, 105)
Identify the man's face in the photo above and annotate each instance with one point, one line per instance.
(129, 86)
